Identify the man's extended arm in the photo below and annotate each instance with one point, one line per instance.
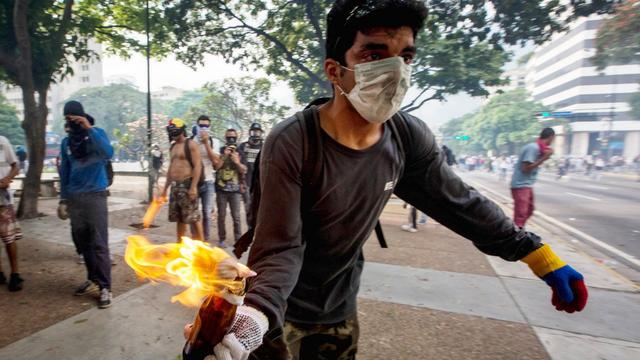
(432, 187)
(436, 190)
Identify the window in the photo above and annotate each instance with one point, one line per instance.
(85, 67)
(85, 79)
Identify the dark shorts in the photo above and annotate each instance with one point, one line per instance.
(300, 341)
(9, 227)
(181, 208)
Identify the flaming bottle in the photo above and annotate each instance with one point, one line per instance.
(213, 321)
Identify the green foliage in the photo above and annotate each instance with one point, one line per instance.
(181, 106)
(237, 103)
(635, 105)
(57, 37)
(461, 48)
(505, 123)
(618, 39)
(9, 123)
(112, 106)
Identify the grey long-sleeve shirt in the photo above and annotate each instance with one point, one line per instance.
(310, 270)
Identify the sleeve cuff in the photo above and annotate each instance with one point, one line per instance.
(543, 261)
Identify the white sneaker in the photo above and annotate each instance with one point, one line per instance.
(105, 298)
(409, 228)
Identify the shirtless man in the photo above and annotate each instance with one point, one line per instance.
(183, 178)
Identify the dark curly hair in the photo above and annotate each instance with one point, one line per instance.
(347, 17)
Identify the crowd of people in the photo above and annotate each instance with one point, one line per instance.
(589, 165)
(200, 176)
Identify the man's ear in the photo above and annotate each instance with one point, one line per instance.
(332, 70)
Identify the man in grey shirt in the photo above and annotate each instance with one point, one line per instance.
(525, 174)
(307, 249)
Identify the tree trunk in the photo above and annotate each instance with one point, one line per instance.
(34, 126)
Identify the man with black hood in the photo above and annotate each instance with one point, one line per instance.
(83, 187)
(250, 149)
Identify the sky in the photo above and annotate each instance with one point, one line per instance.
(170, 72)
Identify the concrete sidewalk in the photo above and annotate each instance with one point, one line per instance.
(431, 295)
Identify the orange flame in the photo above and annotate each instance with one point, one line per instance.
(192, 264)
(152, 211)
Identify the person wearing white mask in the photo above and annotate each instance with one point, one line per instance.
(307, 245)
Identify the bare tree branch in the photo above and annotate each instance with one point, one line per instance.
(413, 108)
(277, 43)
(417, 97)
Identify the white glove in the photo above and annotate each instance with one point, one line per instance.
(249, 326)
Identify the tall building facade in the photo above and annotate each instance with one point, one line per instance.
(561, 76)
(85, 74)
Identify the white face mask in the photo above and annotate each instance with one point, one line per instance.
(380, 88)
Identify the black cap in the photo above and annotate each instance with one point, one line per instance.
(73, 108)
(255, 126)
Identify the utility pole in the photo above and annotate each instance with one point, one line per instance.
(149, 139)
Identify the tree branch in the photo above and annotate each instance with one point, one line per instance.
(23, 61)
(308, 7)
(413, 108)
(277, 43)
(417, 97)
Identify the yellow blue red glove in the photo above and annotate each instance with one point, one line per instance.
(569, 291)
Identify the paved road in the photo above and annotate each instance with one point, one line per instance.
(608, 210)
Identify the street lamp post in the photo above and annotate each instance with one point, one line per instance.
(149, 177)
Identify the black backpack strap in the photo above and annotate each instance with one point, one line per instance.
(312, 147)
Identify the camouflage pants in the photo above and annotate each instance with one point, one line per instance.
(312, 342)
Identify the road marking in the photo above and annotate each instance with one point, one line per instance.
(630, 258)
(597, 187)
(583, 196)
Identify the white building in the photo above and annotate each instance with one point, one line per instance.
(167, 93)
(85, 74)
(561, 76)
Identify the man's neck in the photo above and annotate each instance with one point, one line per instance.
(345, 125)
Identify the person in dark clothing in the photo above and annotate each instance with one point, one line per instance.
(157, 158)
(83, 185)
(229, 173)
(250, 149)
(451, 159)
(307, 249)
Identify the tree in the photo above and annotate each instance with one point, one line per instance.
(505, 123)
(618, 39)
(237, 103)
(461, 48)
(113, 106)
(38, 40)
(9, 123)
(180, 106)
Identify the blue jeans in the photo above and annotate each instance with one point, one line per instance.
(206, 192)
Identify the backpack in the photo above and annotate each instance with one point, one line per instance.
(310, 172)
(187, 154)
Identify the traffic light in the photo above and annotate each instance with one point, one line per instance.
(544, 114)
(462, 137)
